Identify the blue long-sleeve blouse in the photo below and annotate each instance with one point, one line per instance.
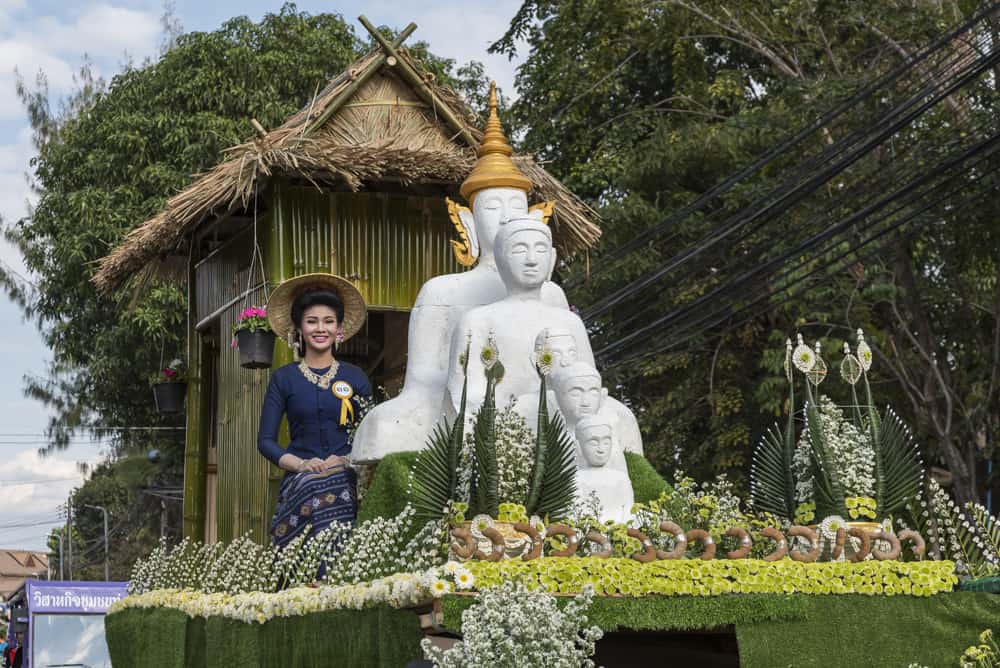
(313, 413)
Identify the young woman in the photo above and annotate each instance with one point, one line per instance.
(322, 398)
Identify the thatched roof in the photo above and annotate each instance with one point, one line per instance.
(381, 127)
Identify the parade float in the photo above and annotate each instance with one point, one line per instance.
(507, 514)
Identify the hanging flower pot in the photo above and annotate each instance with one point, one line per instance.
(256, 348)
(169, 388)
(252, 333)
(169, 397)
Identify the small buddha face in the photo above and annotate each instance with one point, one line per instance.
(527, 256)
(580, 396)
(560, 343)
(595, 442)
(492, 207)
(563, 347)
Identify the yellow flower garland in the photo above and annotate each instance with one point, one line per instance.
(689, 577)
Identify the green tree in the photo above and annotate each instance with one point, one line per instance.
(108, 159)
(641, 107)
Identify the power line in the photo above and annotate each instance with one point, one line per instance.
(802, 183)
(761, 270)
(847, 105)
(724, 314)
(21, 483)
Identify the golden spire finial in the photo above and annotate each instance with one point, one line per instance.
(494, 169)
(494, 140)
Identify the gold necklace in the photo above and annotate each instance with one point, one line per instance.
(323, 382)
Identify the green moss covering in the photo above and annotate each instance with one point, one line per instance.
(379, 637)
(667, 613)
(647, 484)
(802, 631)
(163, 633)
(387, 494)
(872, 631)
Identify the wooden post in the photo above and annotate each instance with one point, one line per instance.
(197, 430)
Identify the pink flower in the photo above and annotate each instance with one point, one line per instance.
(233, 343)
(169, 373)
(253, 312)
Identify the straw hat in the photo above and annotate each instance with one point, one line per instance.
(494, 169)
(279, 306)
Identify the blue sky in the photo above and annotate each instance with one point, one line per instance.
(55, 37)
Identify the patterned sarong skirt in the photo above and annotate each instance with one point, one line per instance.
(313, 501)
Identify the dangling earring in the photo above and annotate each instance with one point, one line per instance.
(293, 343)
(338, 340)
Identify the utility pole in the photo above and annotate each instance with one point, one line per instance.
(62, 561)
(69, 526)
(105, 511)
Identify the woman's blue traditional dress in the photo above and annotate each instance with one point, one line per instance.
(320, 425)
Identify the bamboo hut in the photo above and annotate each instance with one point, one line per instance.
(354, 183)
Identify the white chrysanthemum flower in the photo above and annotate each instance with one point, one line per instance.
(829, 526)
(464, 579)
(440, 588)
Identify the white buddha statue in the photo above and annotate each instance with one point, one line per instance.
(497, 192)
(579, 392)
(524, 256)
(561, 344)
(594, 476)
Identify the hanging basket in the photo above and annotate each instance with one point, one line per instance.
(169, 397)
(256, 349)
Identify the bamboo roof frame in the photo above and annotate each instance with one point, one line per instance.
(337, 138)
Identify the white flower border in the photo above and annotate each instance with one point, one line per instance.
(397, 590)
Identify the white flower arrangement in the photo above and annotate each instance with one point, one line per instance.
(340, 553)
(850, 448)
(397, 590)
(512, 626)
(515, 453)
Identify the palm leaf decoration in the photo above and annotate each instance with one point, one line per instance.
(433, 478)
(772, 488)
(552, 487)
(435, 473)
(485, 495)
(898, 468)
(970, 537)
(772, 480)
(558, 484)
(541, 450)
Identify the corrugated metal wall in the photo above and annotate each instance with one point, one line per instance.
(387, 244)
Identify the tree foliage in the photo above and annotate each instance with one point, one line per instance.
(641, 107)
(108, 159)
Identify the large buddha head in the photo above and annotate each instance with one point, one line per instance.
(524, 254)
(496, 189)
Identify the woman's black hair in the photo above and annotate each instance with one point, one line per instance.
(314, 297)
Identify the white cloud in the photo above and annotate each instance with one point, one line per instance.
(23, 54)
(51, 478)
(103, 31)
(56, 45)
